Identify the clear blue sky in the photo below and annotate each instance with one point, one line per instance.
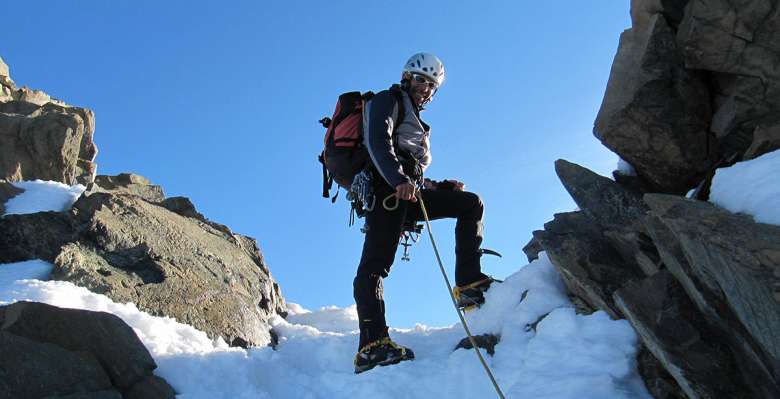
(219, 102)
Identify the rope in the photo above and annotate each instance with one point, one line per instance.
(454, 302)
(388, 198)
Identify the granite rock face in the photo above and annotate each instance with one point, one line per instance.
(50, 351)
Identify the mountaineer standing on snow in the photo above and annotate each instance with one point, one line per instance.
(398, 144)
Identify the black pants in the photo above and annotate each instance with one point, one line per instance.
(382, 236)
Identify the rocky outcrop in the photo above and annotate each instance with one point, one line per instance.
(127, 183)
(54, 352)
(675, 333)
(591, 248)
(729, 266)
(699, 284)
(43, 138)
(656, 113)
(124, 239)
(694, 84)
(738, 43)
(168, 264)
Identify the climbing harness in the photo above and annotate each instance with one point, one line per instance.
(454, 302)
(410, 232)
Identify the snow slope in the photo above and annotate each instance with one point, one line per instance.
(565, 356)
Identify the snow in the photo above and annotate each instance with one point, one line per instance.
(625, 168)
(42, 196)
(751, 187)
(566, 356)
(546, 349)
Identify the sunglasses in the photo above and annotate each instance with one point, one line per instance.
(423, 80)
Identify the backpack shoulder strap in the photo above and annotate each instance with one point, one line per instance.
(399, 98)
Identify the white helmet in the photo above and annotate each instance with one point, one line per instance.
(426, 64)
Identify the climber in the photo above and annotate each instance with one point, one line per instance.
(399, 153)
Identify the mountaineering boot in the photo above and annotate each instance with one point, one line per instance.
(472, 296)
(381, 353)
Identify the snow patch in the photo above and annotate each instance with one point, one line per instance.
(40, 196)
(751, 187)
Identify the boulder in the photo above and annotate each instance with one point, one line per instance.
(127, 183)
(655, 113)
(671, 328)
(48, 142)
(32, 369)
(729, 266)
(101, 343)
(173, 265)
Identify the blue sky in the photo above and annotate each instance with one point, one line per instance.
(219, 102)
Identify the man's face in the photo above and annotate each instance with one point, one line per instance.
(421, 88)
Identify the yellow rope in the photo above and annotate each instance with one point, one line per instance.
(388, 198)
(454, 302)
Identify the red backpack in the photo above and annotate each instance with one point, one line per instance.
(345, 155)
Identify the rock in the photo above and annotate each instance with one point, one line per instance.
(7, 86)
(32, 369)
(602, 199)
(589, 265)
(618, 211)
(766, 139)
(642, 12)
(69, 353)
(487, 342)
(739, 43)
(107, 394)
(671, 328)
(729, 266)
(7, 191)
(532, 249)
(127, 183)
(34, 236)
(655, 113)
(4, 69)
(151, 387)
(658, 381)
(136, 251)
(105, 336)
(48, 142)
